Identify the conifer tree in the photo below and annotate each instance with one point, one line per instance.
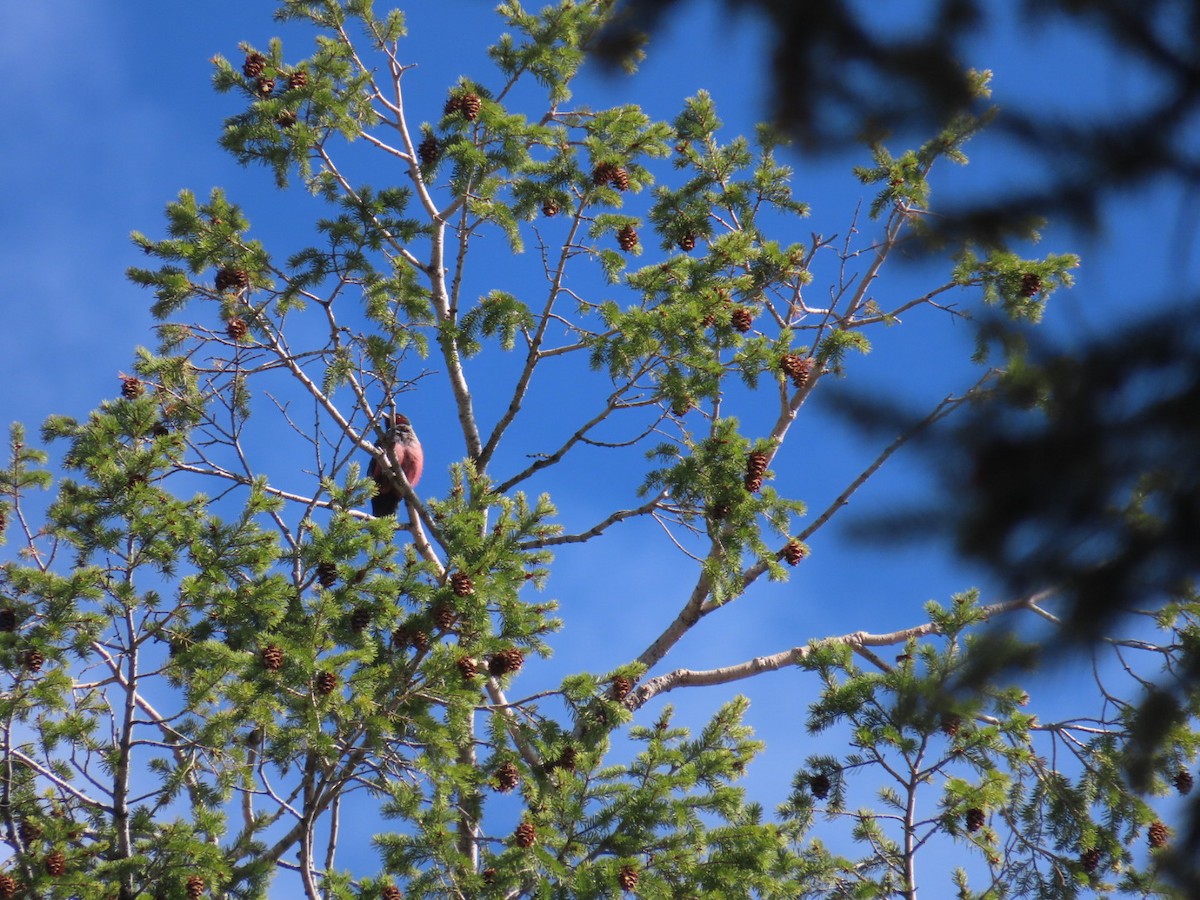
(217, 663)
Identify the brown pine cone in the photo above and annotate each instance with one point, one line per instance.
(951, 724)
(131, 387)
(326, 682)
(793, 552)
(29, 832)
(409, 636)
(327, 574)
(8, 886)
(237, 329)
(506, 661)
(1157, 835)
(471, 104)
(604, 173)
(797, 368)
(229, 278)
(741, 318)
(550, 208)
(489, 875)
(506, 777)
(34, 660)
(272, 658)
(360, 618)
(286, 119)
(254, 65)
(194, 886)
(1183, 781)
(526, 835)
(298, 80)
(264, 86)
(687, 243)
(753, 483)
(444, 616)
(975, 819)
(467, 667)
(56, 864)
(462, 585)
(620, 178)
(428, 150)
(627, 237)
(719, 511)
(627, 878)
(819, 784)
(620, 688)
(454, 104)
(1089, 859)
(391, 892)
(1030, 284)
(8, 620)
(568, 760)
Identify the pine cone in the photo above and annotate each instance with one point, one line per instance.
(408, 636)
(797, 368)
(604, 173)
(453, 105)
(8, 886)
(1089, 859)
(793, 552)
(620, 178)
(687, 243)
(1030, 284)
(975, 819)
(131, 387)
(264, 86)
(741, 318)
(526, 835)
(8, 620)
(550, 208)
(3, 520)
(1157, 835)
(506, 661)
(951, 725)
(753, 483)
(286, 119)
(236, 328)
(681, 407)
(1183, 781)
(489, 875)
(471, 104)
(506, 777)
(360, 618)
(568, 760)
(298, 80)
(467, 667)
(327, 574)
(29, 832)
(719, 511)
(254, 65)
(462, 585)
(56, 864)
(194, 886)
(34, 660)
(230, 278)
(620, 688)
(272, 658)
(444, 616)
(428, 150)
(627, 237)
(391, 892)
(819, 784)
(326, 682)
(627, 878)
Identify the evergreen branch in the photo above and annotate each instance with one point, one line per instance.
(597, 529)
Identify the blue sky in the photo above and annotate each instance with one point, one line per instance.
(108, 113)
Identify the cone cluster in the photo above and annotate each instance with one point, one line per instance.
(406, 636)
(229, 278)
(741, 318)
(756, 465)
(797, 368)
(467, 103)
(506, 661)
(627, 237)
(975, 819)
(609, 173)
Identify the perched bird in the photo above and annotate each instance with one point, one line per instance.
(404, 450)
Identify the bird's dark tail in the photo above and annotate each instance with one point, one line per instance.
(384, 504)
